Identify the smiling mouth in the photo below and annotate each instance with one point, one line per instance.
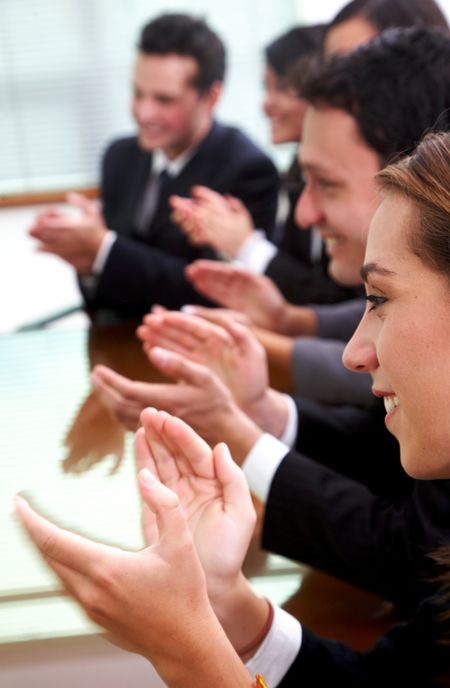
(391, 403)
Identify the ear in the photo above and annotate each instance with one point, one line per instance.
(213, 94)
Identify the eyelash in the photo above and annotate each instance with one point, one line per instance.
(376, 301)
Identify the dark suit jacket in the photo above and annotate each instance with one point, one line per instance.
(299, 277)
(344, 505)
(408, 655)
(143, 270)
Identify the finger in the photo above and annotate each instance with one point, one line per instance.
(144, 459)
(236, 205)
(179, 368)
(189, 331)
(166, 465)
(60, 545)
(106, 378)
(236, 493)
(164, 503)
(142, 453)
(72, 581)
(84, 204)
(196, 453)
(207, 195)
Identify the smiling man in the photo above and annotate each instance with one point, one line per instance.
(132, 255)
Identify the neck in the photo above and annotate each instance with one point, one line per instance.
(174, 152)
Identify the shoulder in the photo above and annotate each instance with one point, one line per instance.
(235, 141)
(123, 148)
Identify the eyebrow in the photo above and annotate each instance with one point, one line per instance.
(371, 268)
(315, 168)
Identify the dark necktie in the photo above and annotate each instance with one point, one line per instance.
(155, 188)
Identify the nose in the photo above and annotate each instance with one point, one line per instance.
(307, 211)
(360, 354)
(144, 110)
(267, 104)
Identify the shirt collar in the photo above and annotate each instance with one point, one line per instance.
(161, 162)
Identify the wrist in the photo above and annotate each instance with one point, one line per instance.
(206, 659)
(239, 432)
(245, 616)
(270, 412)
(299, 321)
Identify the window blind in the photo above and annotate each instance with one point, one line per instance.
(65, 74)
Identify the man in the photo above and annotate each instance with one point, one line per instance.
(295, 261)
(349, 510)
(134, 255)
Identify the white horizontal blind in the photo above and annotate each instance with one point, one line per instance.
(65, 71)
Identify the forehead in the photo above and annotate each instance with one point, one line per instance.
(388, 247)
(388, 240)
(332, 143)
(168, 73)
(348, 35)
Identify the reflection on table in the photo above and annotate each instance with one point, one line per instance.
(74, 459)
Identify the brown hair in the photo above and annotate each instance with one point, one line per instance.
(424, 179)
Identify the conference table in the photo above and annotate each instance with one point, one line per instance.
(74, 460)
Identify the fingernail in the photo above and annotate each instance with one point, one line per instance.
(161, 355)
(188, 309)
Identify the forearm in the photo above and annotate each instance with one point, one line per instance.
(279, 350)
(242, 614)
(238, 430)
(298, 320)
(207, 659)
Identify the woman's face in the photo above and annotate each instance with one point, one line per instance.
(284, 109)
(403, 341)
(347, 35)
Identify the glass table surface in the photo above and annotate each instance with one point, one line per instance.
(64, 451)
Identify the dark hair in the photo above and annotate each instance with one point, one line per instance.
(293, 45)
(181, 34)
(396, 87)
(385, 14)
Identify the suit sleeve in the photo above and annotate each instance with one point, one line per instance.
(410, 654)
(319, 374)
(257, 185)
(349, 510)
(302, 283)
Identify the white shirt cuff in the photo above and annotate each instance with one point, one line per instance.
(289, 435)
(256, 252)
(103, 252)
(279, 648)
(261, 464)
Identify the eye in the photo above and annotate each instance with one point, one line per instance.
(325, 184)
(375, 301)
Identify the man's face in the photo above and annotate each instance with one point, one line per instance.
(170, 112)
(340, 195)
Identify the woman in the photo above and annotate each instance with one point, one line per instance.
(156, 601)
(360, 21)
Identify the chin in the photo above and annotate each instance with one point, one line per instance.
(417, 465)
(342, 274)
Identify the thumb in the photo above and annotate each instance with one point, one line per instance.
(164, 503)
(236, 494)
(84, 204)
(179, 368)
(236, 205)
